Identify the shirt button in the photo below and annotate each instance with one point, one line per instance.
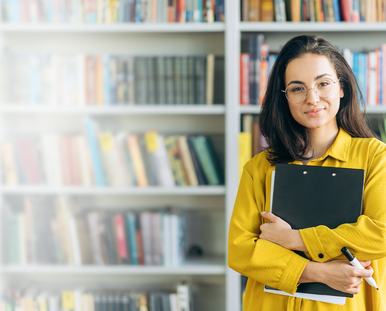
(320, 255)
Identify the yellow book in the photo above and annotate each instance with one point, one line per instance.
(245, 150)
(266, 11)
(68, 300)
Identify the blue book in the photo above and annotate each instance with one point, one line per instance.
(355, 67)
(130, 219)
(335, 4)
(93, 144)
(137, 15)
(14, 9)
(200, 11)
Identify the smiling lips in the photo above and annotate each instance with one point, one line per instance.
(314, 112)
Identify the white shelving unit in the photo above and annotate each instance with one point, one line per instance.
(163, 39)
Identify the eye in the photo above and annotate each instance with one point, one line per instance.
(297, 89)
(324, 83)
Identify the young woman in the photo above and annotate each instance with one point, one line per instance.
(311, 116)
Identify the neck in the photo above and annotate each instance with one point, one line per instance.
(321, 140)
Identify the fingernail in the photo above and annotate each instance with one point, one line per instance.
(263, 212)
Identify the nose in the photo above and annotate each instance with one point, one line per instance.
(312, 97)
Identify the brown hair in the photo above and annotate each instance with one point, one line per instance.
(287, 139)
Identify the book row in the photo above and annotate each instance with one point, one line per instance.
(102, 158)
(370, 71)
(314, 10)
(41, 230)
(113, 11)
(255, 66)
(256, 62)
(108, 80)
(80, 299)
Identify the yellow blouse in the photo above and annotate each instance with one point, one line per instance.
(267, 263)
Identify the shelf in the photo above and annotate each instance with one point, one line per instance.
(250, 109)
(111, 28)
(200, 267)
(257, 109)
(117, 110)
(311, 27)
(48, 190)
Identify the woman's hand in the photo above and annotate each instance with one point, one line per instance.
(280, 232)
(338, 274)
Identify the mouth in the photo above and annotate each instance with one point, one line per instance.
(315, 110)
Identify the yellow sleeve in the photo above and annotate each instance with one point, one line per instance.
(263, 261)
(367, 237)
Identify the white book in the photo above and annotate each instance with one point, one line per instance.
(156, 147)
(146, 230)
(93, 227)
(173, 302)
(349, 57)
(53, 303)
(22, 239)
(81, 78)
(74, 238)
(51, 159)
(84, 161)
(166, 240)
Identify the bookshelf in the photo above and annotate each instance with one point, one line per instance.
(219, 286)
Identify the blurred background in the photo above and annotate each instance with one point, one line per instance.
(124, 125)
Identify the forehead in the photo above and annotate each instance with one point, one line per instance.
(307, 67)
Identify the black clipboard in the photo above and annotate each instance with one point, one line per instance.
(309, 196)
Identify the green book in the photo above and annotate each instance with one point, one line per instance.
(208, 159)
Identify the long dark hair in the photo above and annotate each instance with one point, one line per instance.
(287, 139)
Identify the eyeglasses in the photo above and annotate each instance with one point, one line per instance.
(296, 93)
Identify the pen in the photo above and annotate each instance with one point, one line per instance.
(357, 264)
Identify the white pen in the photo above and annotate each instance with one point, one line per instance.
(357, 264)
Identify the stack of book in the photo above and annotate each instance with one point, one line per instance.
(42, 230)
(80, 299)
(256, 64)
(107, 159)
(113, 11)
(108, 80)
(313, 10)
(370, 71)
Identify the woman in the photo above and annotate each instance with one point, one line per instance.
(311, 116)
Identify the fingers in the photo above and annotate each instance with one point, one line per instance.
(365, 263)
(270, 216)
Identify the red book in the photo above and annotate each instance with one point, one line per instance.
(346, 10)
(29, 161)
(121, 239)
(244, 79)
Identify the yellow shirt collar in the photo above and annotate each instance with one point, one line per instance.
(340, 148)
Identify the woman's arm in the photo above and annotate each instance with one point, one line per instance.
(258, 259)
(338, 274)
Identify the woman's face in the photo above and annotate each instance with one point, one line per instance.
(314, 112)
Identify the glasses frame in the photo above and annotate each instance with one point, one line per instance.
(305, 96)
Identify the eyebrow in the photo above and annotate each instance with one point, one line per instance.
(316, 78)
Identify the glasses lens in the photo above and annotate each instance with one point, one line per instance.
(325, 87)
(296, 93)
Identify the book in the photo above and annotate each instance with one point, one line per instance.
(339, 193)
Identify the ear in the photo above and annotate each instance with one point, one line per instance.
(341, 92)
